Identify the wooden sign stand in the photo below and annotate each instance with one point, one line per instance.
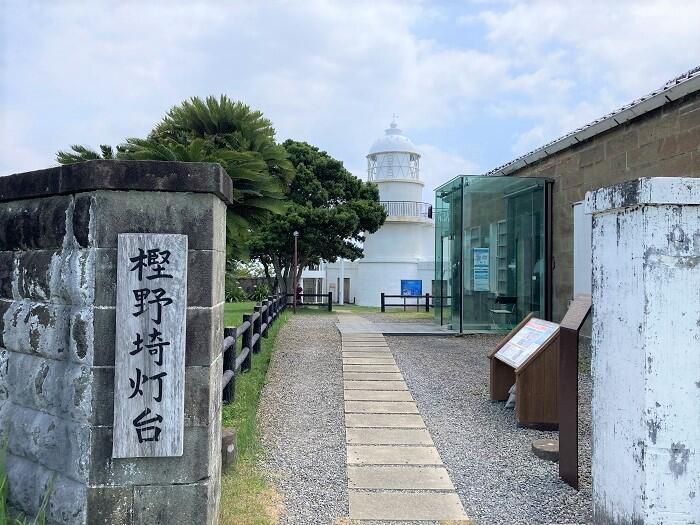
(571, 325)
(536, 380)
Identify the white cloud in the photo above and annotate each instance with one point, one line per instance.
(438, 166)
(333, 73)
(582, 60)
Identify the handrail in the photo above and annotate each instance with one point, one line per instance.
(408, 209)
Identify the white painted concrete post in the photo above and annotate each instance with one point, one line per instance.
(341, 286)
(646, 352)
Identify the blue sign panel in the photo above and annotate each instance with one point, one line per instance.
(481, 269)
(411, 287)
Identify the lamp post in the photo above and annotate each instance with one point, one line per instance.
(294, 302)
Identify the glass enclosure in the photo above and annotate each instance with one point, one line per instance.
(489, 252)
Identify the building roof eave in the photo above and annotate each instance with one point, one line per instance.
(673, 90)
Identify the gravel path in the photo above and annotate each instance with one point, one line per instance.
(489, 460)
(302, 422)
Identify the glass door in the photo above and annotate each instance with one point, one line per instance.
(503, 250)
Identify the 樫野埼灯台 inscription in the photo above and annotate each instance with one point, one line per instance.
(149, 380)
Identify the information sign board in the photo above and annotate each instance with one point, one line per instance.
(149, 371)
(411, 287)
(481, 269)
(526, 342)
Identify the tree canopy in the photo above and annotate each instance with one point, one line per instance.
(329, 207)
(215, 130)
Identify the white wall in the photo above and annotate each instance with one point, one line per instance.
(400, 191)
(646, 352)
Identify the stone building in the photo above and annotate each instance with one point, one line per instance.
(516, 239)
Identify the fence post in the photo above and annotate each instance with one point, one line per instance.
(330, 301)
(256, 328)
(265, 310)
(427, 302)
(271, 310)
(230, 364)
(383, 308)
(442, 301)
(247, 342)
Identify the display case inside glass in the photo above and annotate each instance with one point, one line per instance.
(490, 249)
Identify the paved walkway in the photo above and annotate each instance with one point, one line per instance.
(354, 324)
(394, 470)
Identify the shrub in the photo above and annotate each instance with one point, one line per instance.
(260, 293)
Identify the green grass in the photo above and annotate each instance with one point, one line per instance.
(396, 311)
(233, 312)
(246, 496)
(357, 309)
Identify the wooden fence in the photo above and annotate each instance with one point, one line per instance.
(328, 303)
(421, 301)
(254, 327)
(425, 302)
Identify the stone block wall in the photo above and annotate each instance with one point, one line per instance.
(58, 240)
(662, 143)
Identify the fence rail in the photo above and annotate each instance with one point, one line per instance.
(328, 303)
(407, 209)
(421, 301)
(254, 326)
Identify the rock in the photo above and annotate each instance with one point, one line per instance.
(546, 449)
(228, 448)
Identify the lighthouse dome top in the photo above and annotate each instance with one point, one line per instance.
(393, 141)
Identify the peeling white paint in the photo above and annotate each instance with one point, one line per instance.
(646, 352)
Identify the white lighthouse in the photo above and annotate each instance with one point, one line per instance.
(403, 250)
(399, 257)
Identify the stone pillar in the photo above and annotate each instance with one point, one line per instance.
(58, 240)
(646, 352)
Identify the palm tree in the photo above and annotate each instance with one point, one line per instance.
(215, 130)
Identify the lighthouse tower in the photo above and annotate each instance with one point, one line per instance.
(402, 250)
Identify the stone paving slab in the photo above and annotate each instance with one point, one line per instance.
(406, 506)
(384, 420)
(381, 407)
(372, 376)
(354, 325)
(389, 449)
(387, 436)
(366, 349)
(392, 477)
(369, 360)
(364, 344)
(392, 455)
(363, 337)
(367, 354)
(354, 384)
(382, 369)
(378, 395)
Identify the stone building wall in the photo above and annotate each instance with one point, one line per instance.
(58, 240)
(662, 143)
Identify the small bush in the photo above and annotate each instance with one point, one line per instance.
(260, 293)
(234, 292)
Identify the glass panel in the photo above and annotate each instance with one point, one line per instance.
(503, 277)
(448, 242)
(489, 252)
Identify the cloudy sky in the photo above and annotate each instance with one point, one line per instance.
(475, 83)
